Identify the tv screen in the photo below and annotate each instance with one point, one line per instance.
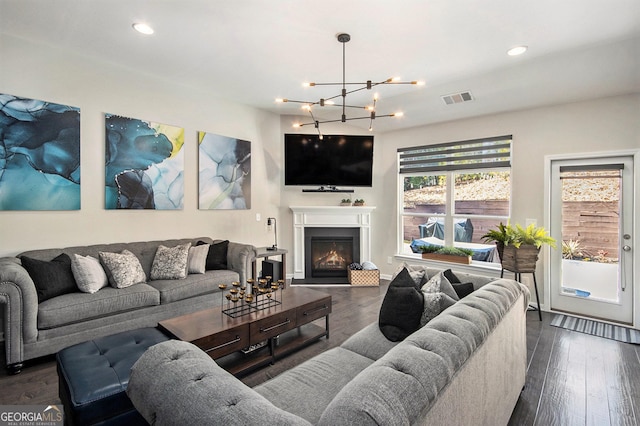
(334, 160)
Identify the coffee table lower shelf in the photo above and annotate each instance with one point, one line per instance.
(240, 363)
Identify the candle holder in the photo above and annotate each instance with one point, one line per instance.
(252, 297)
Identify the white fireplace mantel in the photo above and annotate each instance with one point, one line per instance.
(329, 217)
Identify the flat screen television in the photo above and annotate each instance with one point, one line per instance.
(334, 160)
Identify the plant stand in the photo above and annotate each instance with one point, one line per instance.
(522, 261)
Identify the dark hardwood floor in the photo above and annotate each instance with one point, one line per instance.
(573, 378)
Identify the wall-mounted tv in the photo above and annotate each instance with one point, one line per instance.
(334, 160)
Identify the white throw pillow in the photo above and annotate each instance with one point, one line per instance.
(170, 263)
(198, 258)
(88, 272)
(123, 269)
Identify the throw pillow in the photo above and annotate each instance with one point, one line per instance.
(89, 274)
(198, 259)
(451, 277)
(217, 256)
(439, 283)
(463, 289)
(434, 304)
(417, 272)
(123, 269)
(401, 308)
(51, 279)
(170, 263)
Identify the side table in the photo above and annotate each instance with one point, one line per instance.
(518, 277)
(263, 253)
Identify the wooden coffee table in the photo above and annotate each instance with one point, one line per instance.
(285, 327)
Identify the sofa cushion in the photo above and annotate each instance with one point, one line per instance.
(198, 259)
(192, 285)
(369, 342)
(89, 273)
(170, 263)
(217, 256)
(77, 307)
(50, 278)
(401, 308)
(307, 389)
(123, 269)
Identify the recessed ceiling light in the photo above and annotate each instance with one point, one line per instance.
(518, 50)
(142, 28)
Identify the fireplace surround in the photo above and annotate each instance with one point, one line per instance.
(334, 221)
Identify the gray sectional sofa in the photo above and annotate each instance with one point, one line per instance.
(466, 366)
(33, 329)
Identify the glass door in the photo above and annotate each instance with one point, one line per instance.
(591, 218)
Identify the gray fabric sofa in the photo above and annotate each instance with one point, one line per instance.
(466, 366)
(33, 329)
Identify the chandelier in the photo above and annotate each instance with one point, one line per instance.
(331, 101)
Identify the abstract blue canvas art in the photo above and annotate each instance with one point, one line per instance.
(225, 172)
(39, 155)
(144, 164)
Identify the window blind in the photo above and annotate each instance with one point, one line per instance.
(484, 153)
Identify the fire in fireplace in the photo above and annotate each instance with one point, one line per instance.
(329, 251)
(330, 255)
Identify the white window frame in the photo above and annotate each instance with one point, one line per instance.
(449, 170)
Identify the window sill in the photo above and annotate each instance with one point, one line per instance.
(476, 267)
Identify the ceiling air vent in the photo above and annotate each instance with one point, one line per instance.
(456, 98)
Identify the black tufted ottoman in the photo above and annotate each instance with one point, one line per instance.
(93, 377)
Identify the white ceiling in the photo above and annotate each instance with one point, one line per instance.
(253, 51)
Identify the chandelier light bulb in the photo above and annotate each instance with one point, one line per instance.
(518, 50)
(296, 125)
(397, 114)
(142, 28)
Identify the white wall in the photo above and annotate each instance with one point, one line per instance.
(45, 73)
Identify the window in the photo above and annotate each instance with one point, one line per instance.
(453, 193)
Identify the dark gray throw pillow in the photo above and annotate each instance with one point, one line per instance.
(217, 256)
(401, 308)
(51, 279)
(451, 276)
(463, 289)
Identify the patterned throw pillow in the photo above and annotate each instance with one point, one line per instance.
(89, 274)
(170, 263)
(440, 283)
(438, 294)
(123, 269)
(198, 259)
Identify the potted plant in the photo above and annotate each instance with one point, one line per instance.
(358, 202)
(521, 251)
(446, 254)
(345, 202)
(502, 236)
